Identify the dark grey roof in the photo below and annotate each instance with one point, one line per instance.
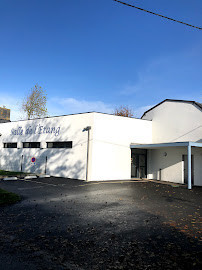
(175, 100)
(199, 104)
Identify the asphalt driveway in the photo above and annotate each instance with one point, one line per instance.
(70, 224)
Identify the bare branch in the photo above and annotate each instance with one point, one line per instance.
(124, 111)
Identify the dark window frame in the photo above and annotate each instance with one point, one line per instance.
(31, 144)
(59, 144)
(10, 145)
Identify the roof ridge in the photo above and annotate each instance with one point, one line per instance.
(175, 100)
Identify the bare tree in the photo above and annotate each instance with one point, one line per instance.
(34, 104)
(124, 111)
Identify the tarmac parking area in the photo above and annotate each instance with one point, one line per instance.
(70, 224)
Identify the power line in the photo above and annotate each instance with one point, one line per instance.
(142, 9)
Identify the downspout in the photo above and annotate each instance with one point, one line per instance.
(189, 165)
(88, 128)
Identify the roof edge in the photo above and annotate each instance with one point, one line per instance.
(74, 114)
(173, 100)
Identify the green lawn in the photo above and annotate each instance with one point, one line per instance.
(8, 197)
(7, 173)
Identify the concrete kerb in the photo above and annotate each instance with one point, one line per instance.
(166, 183)
(9, 178)
(98, 182)
(24, 177)
(30, 177)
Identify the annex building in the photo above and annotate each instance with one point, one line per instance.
(165, 144)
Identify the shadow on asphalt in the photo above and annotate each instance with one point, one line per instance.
(113, 226)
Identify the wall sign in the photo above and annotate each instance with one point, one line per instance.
(29, 130)
(33, 159)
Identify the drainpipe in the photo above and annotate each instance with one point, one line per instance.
(21, 163)
(46, 164)
(189, 165)
(88, 128)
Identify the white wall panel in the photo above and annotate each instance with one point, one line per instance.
(176, 122)
(69, 163)
(172, 165)
(111, 154)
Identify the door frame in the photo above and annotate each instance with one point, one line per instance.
(192, 169)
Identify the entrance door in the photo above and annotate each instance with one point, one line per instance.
(134, 166)
(185, 159)
(142, 166)
(138, 163)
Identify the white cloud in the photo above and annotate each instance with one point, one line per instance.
(56, 106)
(139, 111)
(62, 106)
(59, 106)
(129, 89)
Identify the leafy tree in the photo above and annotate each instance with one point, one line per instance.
(34, 104)
(124, 111)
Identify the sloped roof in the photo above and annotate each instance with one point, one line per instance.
(175, 100)
(199, 104)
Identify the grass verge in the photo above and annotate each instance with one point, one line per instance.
(7, 173)
(8, 197)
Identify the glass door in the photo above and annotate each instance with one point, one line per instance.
(134, 166)
(142, 166)
(138, 163)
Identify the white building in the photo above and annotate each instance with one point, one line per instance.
(165, 144)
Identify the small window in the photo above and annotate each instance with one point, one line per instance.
(31, 145)
(59, 144)
(10, 145)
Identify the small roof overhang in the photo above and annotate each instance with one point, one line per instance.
(162, 145)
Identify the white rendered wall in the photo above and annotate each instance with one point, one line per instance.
(176, 122)
(172, 166)
(111, 153)
(70, 163)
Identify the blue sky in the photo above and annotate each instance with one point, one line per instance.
(94, 55)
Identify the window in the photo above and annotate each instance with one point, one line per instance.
(59, 144)
(10, 145)
(31, 145)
